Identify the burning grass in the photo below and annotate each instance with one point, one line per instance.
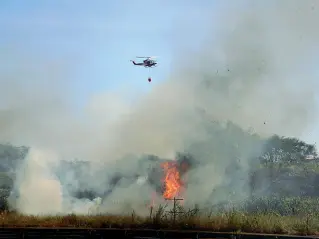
(260, 215)
(191, 220)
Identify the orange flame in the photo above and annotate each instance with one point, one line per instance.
(172, 180)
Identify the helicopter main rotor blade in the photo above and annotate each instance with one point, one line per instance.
(148, 57)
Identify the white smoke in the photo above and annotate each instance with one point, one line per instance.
(258, 67)
(36, 176)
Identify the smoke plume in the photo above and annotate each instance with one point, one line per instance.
(255, 69)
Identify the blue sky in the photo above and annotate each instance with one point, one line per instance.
(100, 38)
(96, 41)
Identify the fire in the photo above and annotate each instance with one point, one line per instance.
(172, 180)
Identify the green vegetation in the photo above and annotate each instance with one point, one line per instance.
(284, 190)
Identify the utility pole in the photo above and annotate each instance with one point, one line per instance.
(174, 211)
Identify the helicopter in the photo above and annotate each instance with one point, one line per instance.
(148, 62)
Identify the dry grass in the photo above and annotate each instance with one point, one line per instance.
(226, 222)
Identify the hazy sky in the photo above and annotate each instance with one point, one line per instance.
(99, 39)
(96, 41)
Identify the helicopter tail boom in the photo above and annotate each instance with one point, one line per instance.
(137, 64)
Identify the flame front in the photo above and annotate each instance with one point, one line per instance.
(172, 180)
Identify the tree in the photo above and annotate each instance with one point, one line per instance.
(286, 150)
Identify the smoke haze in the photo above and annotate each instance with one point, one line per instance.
(256, 68)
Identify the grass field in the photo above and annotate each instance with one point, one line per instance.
(224, 222)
